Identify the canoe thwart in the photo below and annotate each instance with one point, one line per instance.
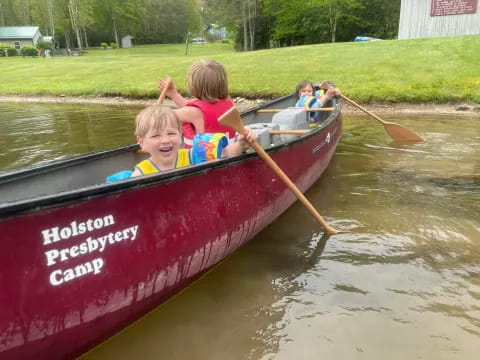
(307, 110)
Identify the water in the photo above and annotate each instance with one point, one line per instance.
(404, 283)
(36, 133)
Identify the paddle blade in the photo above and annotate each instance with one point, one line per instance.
(232, 119)
(401, 133)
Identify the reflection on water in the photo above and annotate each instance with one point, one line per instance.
(35, 133)
(404, 283)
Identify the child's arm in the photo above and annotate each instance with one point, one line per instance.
(330, 94)
(192, 115)
(241, 145)
(172, 92)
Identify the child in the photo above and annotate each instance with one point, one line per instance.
(207, 82)
(305, 96)
(158, 131)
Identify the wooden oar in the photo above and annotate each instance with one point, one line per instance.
(288, 132)
(396, 131)
(308, 110)
(233, 120)
(161, 98)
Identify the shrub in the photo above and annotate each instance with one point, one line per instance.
(44, 45)
(29, 51)
(7, 50)
(104, 45)
(113, 45)
(12, 51)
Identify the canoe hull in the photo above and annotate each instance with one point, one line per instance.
(74, 274)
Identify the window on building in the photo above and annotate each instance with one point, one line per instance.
(17, 45)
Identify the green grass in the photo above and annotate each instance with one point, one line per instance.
(420, 70)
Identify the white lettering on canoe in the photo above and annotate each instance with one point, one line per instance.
(65, 256)
(75, 228)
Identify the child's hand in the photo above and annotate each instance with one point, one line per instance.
(332, 92)
(171, 90)
(249, 137)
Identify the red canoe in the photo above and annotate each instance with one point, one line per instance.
(81, 259)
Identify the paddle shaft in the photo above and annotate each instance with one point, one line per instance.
(361, 108)
(161, 98)
(262, 153)
(232, 119)
(308, 110)
(287, 132)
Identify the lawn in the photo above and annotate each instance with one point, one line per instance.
(419, 70)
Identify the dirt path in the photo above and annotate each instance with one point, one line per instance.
(243, 104)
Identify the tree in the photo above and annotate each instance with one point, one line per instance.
(2, 13)
(75, 20)
(226, 12)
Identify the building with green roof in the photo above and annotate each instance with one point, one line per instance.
(20, 36)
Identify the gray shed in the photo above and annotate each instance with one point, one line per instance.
(127, 41)
(20, 36)
(435, 18)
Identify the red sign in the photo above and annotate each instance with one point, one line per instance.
(453, 7)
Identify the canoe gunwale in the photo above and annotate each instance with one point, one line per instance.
(26, 206)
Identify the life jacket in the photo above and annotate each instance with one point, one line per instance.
(206, 147)
(147, 166)
(310, 102)
(211, 112)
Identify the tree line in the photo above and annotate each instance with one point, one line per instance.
(260, 24)
(84, 23)
(254, 24)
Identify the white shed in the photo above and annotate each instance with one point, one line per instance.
(436, 18)
(127, 41)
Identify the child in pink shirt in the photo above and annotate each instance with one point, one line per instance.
(207, 82)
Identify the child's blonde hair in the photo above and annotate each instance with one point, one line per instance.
(155, 117)
(207, 81)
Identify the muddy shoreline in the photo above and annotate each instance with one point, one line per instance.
(243, 104)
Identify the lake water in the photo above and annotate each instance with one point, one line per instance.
(403, 283)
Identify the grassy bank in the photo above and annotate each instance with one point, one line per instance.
(421, 70)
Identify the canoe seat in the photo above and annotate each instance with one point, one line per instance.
(263, 130)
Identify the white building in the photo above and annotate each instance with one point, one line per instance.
(435, 18)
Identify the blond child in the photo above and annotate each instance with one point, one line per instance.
(158, 132)
(208, 83)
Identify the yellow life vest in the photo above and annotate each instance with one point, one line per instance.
(148, 166)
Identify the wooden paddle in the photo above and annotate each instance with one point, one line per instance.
(161, 98)
(233, 120)
(307, 110)
(396, 131)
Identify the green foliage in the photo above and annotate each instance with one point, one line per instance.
(7, 50)
(113, 45)
(44, 45)
(12, 52)
(288, 22)
(262, 34)
(29, 51)
(104, 45)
